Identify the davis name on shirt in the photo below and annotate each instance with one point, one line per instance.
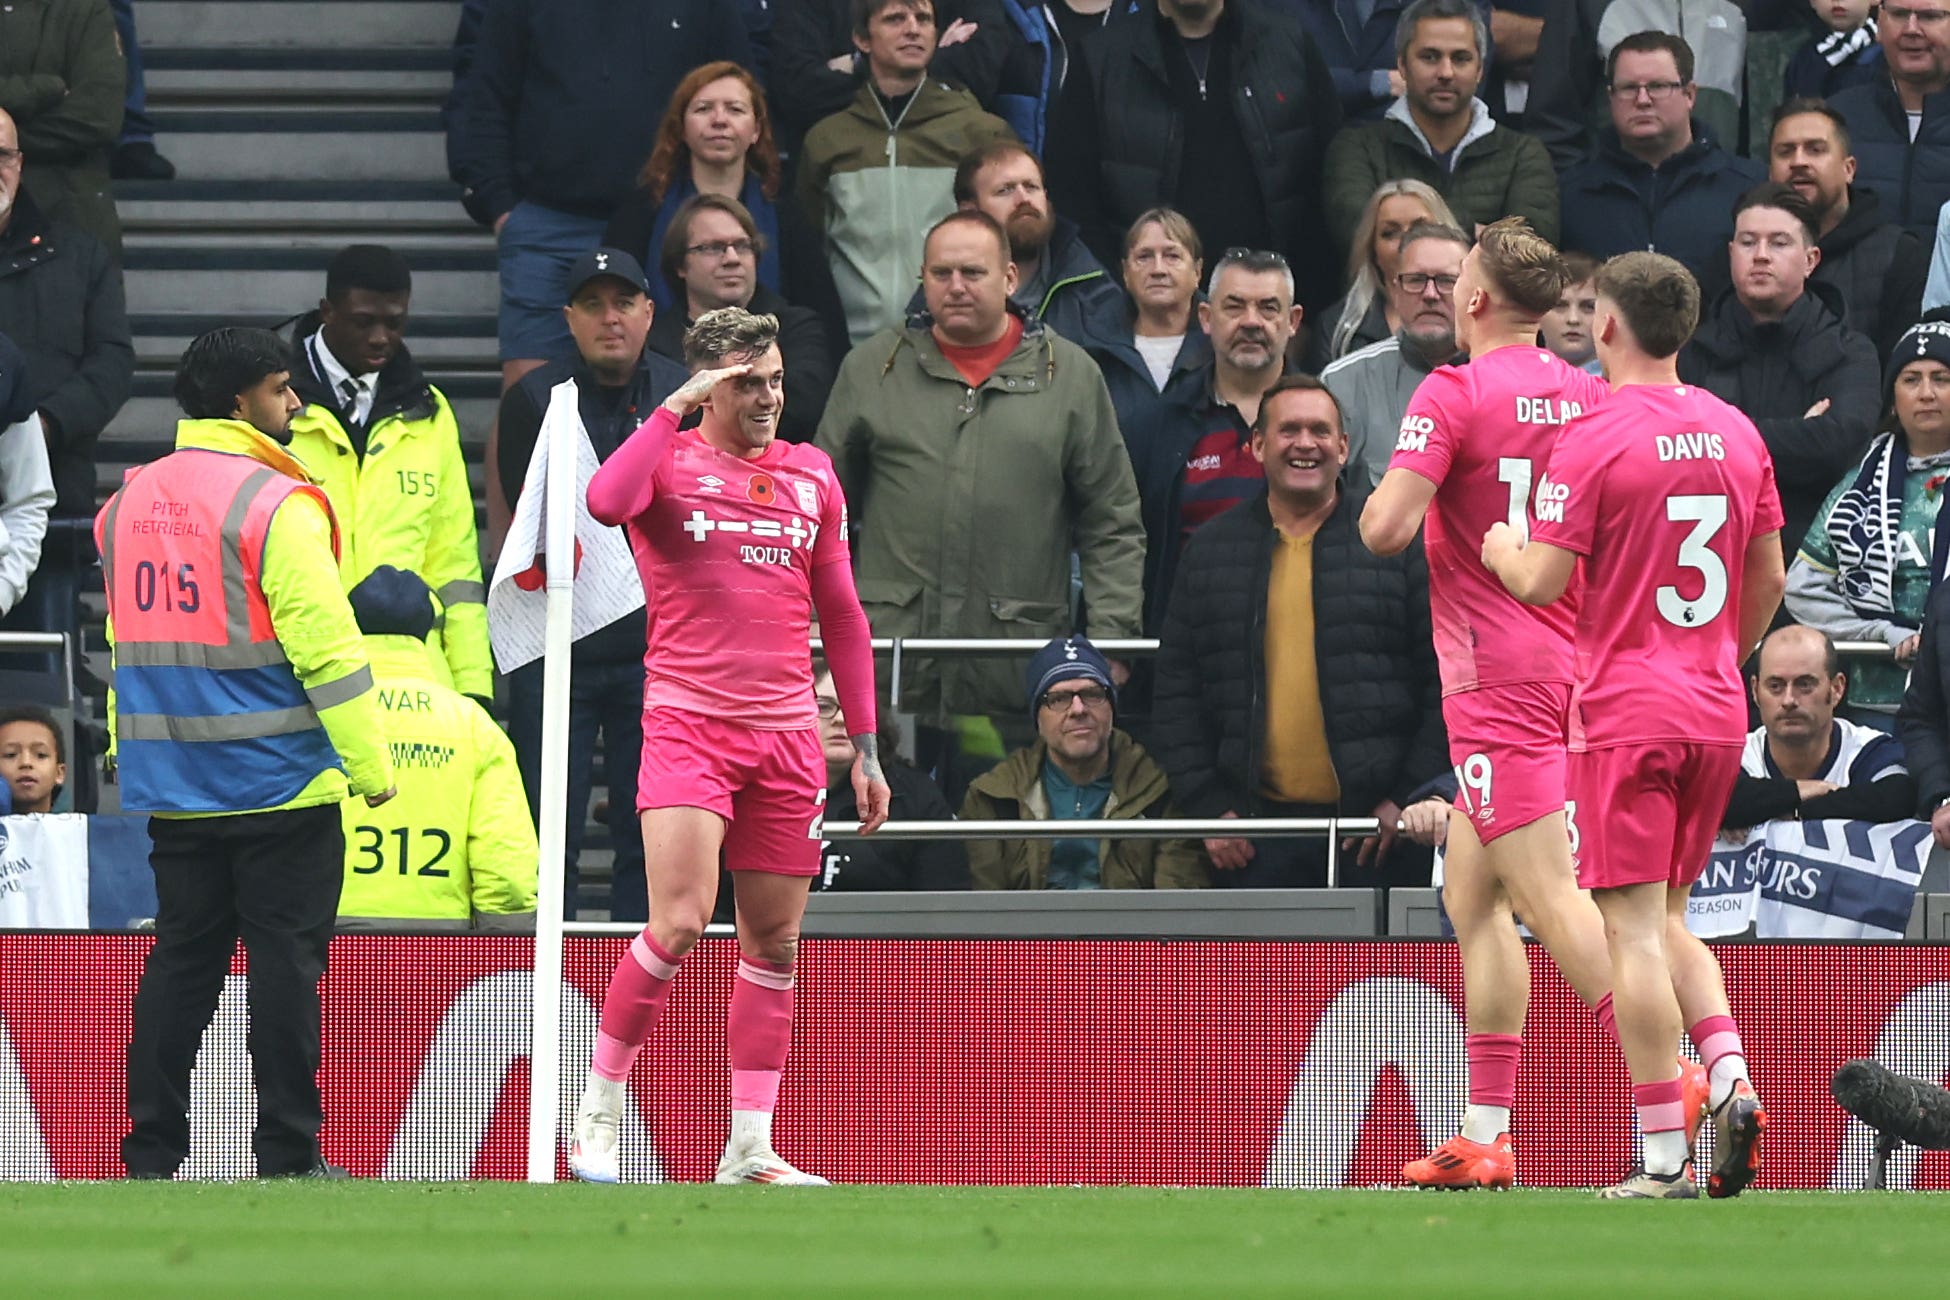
(1691, 446)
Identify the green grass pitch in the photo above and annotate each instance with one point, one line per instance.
(372, 1239)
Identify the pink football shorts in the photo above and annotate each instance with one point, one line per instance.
(769, 786)
(1647, 814)
(1507, 744)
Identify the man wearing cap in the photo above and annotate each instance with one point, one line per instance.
(619, 382)
(1081, 768)
(458, 852)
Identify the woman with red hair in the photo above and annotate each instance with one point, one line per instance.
(716, 138)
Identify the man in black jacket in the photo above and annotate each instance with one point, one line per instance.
(61, 301)
(1901, 122)
(619, 381)
(1923, 722)
(1775, 346)
(1879, 266)
(1658, 181)
(1296, 675)
(710, 260)
(1223, 111)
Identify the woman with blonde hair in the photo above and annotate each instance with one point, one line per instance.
(1364, 316)
(716, 138)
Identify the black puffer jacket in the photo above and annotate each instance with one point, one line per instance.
(1879, 266)
(1119, 142)
(1775, 372)
(61, 301)
(1913, 178)
(1379, 689)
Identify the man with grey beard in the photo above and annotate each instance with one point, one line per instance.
(1195, 462)
(1374, 384)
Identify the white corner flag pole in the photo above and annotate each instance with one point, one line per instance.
(545, 1056)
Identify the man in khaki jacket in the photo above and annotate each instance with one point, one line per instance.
(979, 451)
(1081, 768)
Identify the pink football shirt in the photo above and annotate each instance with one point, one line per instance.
(726, 549)
(1482, 434)
(1661, 490)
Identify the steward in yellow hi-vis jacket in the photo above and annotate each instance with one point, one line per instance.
(244, 713)
(385, 445)
(457, 849)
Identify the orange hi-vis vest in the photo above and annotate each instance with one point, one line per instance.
(210, 717)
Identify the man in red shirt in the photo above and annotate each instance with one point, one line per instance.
(1667, 494)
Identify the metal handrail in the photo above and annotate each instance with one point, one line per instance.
(45, 641)
(1134, 828)
(900, 647)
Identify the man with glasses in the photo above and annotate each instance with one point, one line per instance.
(1901, 123)
(710, 260)
(1374, 384)
(1658, 181)
(1194, 462)
(1572, 69)
(1081, 768)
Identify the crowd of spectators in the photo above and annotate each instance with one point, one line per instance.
(1108, 312)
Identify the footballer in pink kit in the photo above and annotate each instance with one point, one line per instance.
(1471, 453)
(1667, 495)
(739, 538)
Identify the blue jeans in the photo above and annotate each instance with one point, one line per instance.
(536, 248)
(136, 126)
(606, 698)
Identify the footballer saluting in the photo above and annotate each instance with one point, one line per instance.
(1667, 494)
(738, 538)
(1472, 446)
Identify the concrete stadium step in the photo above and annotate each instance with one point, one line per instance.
(448, 343)
(371, 78)
(270, 24)
(259, 143)
(271, 288)
(350, 211)
(147, 421)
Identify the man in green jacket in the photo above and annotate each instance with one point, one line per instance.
(979, 451)
(1081, 768)
(63, 79)
(1439, 132)
(876, 174)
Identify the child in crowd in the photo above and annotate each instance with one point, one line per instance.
(33, 759)
(1566, 328)
(1843, 53)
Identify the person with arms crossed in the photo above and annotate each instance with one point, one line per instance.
(1667, 495)
(739, 537)
(1469, 452)
(244, 714)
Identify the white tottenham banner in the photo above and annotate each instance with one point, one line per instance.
(606, 583)
(44, 872)
(1813, 880)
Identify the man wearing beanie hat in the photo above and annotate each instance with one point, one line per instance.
(458, 851)
(1080, 768)
(1864, 570)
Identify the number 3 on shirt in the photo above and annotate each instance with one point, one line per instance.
(1707, 515)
